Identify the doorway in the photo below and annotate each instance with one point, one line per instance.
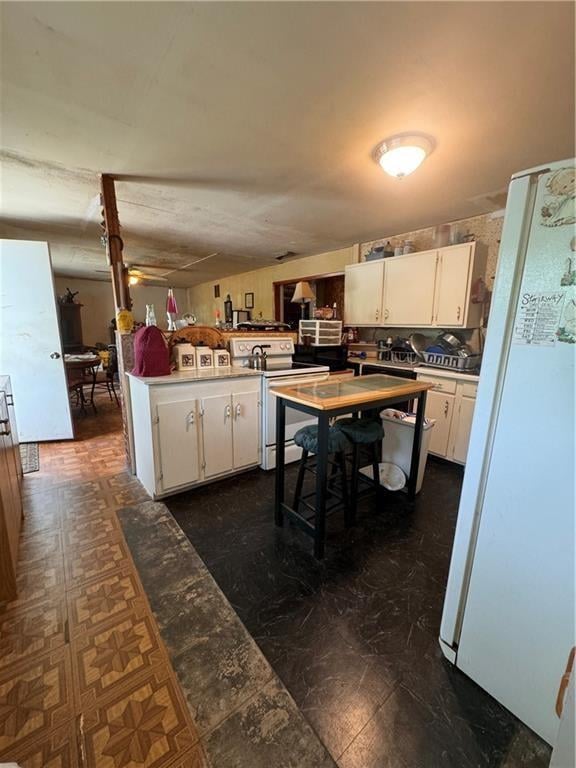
(328, 289)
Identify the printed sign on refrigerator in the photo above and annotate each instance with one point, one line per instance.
(538, 318)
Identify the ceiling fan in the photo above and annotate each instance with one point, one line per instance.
(139, 272)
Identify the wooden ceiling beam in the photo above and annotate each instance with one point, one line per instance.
(114, 244)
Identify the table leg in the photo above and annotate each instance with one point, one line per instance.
(415, 461)
(321, 485)
(93, 372)
(280, 443)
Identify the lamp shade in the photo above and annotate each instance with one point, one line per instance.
(171, 302)
(303, 292)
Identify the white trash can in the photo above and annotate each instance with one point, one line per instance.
(399, 438)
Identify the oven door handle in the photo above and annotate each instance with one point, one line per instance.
(288, 381)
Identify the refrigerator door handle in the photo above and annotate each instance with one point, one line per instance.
(564, 680)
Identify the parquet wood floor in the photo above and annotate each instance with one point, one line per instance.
(85, 679)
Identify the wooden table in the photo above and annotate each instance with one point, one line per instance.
(325, 401)
(80, 365)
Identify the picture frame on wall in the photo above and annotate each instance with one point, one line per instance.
(248, 301)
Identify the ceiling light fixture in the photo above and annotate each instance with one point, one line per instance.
(133, 280)
(400, 155)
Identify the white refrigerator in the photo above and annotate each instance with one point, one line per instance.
(509, 610)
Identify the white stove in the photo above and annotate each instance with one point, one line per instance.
(280, 371)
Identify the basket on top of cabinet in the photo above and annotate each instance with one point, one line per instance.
(323, 333)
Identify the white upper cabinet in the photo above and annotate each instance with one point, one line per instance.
(409, 289)
(364, 285)
(458, 267)
(417, 290)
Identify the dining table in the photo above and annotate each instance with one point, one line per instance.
(82, 369)
(326, 400)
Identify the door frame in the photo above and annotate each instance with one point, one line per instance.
(276, 285)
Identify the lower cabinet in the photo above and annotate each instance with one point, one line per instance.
(462, 427)
(246, 429)
(440, 407)
(216, 415)
(177, 443)
(451, 404)
(10, 494)
(189, 433)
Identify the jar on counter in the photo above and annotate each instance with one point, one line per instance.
(408, 246)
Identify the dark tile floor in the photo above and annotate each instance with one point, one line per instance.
(354, 638)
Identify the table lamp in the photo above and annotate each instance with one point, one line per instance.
(302, 295)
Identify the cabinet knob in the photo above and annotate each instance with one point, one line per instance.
(237, 411)
(386, 313)
(458, 313)
(227, 412)
(7, 430)
(191, 418)
(446, 406)
(55, 355)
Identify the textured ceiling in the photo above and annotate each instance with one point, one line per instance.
(247, 128)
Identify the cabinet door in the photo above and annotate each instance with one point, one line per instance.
(409, 289)
(246, 429)
(217, 434)
(440, 407)
(364, 284)
(178, 443)
(461, 428)
(452, 286)
(10, 512)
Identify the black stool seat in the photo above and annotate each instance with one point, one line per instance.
(307, 438)
(363, 431)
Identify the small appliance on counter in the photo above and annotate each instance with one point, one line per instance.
(240, 316)
(335, 356)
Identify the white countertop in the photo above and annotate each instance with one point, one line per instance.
(204, 374)
(428, 370)
(445, 373)
(380, 363)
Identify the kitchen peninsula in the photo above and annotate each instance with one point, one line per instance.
(194, 426)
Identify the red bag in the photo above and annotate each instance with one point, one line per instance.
(151, 355)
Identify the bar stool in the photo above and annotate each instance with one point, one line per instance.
(361, 432)
(307, 439)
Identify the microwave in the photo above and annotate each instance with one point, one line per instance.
(240, 316)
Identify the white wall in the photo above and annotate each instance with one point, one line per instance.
(260, 282)
(98, 304)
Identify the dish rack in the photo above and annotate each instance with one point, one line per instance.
(454, 362)
(398, 356)
(324, 333)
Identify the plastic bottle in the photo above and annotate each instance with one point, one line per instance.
(150, 315)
